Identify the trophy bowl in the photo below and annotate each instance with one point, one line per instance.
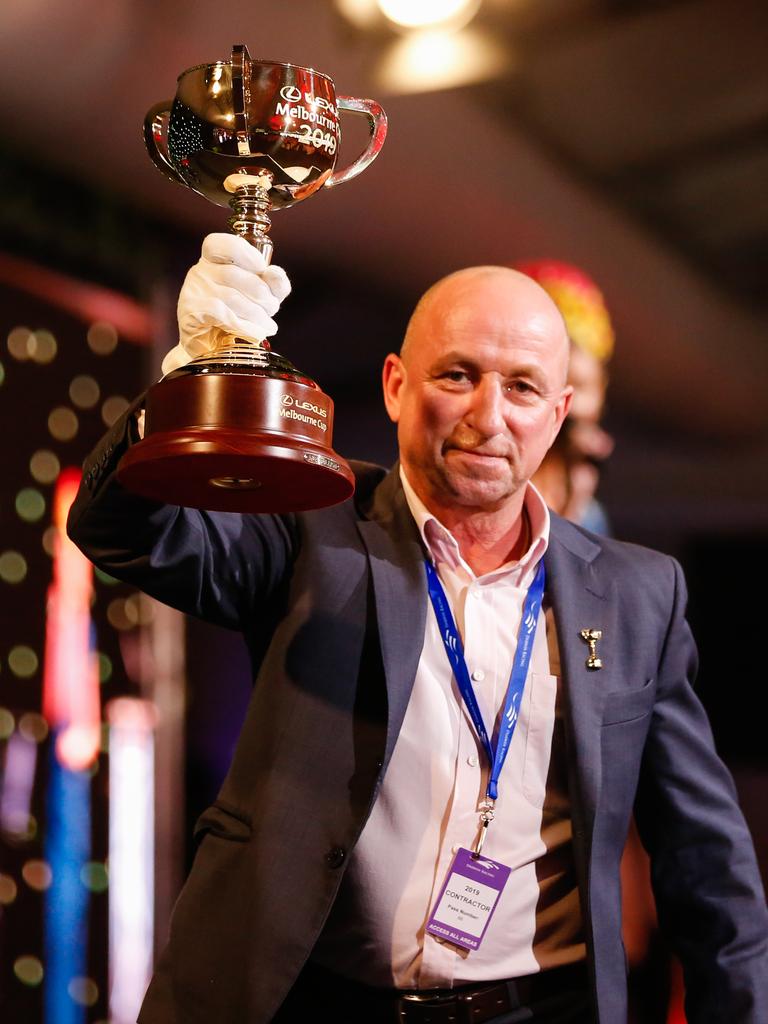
(241, 429)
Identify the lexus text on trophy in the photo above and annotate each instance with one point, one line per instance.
(239, 428)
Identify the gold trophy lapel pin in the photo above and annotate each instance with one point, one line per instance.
(590, 637)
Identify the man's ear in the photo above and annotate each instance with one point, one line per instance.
(393, 379)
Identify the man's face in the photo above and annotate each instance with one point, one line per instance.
(479, 393)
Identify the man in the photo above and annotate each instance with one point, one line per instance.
(325, 879)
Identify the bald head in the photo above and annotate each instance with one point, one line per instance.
(506, 300)
(478, 391)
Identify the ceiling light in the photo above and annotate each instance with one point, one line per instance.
(360, 13)
(423, 13)
(429, 60)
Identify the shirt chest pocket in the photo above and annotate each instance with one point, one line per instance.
(543, 712)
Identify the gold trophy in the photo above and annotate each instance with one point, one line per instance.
(240, 429)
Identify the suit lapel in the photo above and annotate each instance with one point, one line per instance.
(579, 600)
(396, 559)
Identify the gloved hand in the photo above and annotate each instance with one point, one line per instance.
(230, 287)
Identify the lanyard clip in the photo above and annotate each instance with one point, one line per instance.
(486, 817)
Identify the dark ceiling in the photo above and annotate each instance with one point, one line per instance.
(663, 108)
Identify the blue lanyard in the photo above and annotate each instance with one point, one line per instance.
(455, 651)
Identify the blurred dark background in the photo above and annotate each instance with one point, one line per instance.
(627, 137)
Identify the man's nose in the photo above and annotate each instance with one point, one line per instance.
(487, 410)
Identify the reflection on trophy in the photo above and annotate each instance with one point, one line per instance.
(240, 428)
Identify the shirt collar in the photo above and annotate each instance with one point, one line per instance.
(444, 549)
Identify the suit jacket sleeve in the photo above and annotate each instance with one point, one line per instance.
(218, 566)
(704, 871)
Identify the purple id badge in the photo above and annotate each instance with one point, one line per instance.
(468, 899)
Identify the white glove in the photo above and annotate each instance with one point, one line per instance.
(231, 287)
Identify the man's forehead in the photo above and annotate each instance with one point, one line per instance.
(498, 320)
(483, 334)
(485, 305)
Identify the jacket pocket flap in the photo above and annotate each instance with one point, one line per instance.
(628, 705)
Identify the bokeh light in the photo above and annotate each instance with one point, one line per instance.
(7, 724)
(431, 59)
(427, 12)
(105, 668)
(13, 567)
(20, 341)
(76, 746)
(49, 540)
(33, 726)
(84, 392)
(63, 423)
(83, 991)
(138, 610)
(28, 970)
(43, 347)
(361, 13)
(116, 614)
(2, 373)
(30, 505)
(94, 876)
(37, 874)
(22, 661)
(113, 407)
(27, 832)
(102, 338)
(44, 466)
(8, 890)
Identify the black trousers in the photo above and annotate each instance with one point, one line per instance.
(320, 995)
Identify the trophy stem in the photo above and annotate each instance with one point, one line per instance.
(250, 219)
(251, 205)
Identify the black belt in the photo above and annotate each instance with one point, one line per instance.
(466, 1004)
(478, 1003)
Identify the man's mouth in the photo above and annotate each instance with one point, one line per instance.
(481, 460)
(479, 453)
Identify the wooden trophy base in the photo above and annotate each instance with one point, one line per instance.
(252, 435)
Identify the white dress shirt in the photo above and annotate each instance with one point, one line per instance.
(428, 804)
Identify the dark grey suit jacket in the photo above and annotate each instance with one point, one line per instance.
(332, 604)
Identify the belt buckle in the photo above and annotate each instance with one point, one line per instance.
(427, 997)
(458, 1001)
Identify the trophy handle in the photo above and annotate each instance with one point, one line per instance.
(156, 139)
(378, 126)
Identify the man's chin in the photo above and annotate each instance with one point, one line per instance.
(478, 491)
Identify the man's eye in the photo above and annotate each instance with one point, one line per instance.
(455, 376)
(522, 387)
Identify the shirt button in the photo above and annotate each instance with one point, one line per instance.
(335, 856)
(472, 761)
(478, 675)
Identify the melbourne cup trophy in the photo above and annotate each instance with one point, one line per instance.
(239, 428)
